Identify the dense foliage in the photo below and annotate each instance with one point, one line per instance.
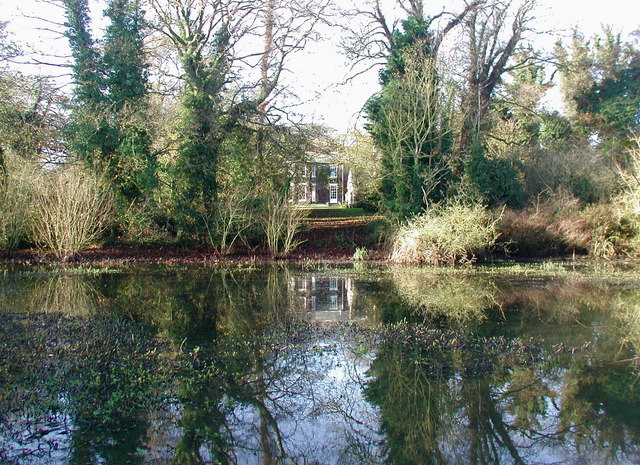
(179, 110)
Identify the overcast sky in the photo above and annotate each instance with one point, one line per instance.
(317, 74)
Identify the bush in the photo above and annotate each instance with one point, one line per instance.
(71, 209)
(281, 223)
(16, 186)
(589, 177)
(233, 215)
(450, 233)
(614, 230)
(141, 223)
(496, 182)
(560, 224)
(548, 227)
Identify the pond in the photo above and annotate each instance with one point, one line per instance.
(520, 364)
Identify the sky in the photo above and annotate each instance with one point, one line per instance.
(318, 74)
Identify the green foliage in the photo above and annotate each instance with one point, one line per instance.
(360, 254)
(108, 128)
(124, 61)
(364, 160)
(600, 85)
(495, 181)
(449, 233)
(32, 116)
(409, 121)
(613, 230)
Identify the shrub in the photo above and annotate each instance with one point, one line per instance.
(360, 254)
(141, 223)
(550, 226)
(613, 230)
(281, 223)
(16, 185)
(233, 215)
(496, 182)
(447, 234)
(71, 208)
(560, 224)
(589, 177)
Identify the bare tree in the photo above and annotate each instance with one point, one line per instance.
(490, 47)
(369, 36)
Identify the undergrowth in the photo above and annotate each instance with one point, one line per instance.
(450, 233)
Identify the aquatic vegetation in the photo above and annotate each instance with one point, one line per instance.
(209, 364)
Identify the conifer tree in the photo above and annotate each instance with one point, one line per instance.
(108, 128)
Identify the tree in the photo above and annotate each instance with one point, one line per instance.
(32, 118)
(364, 160)
(8, 48)
(601, 85)
(517, 116)
(409, 119)
(110, 96)
(410, 124)
(203, 35)
(490, 49)
(218, 103)
(31, 110)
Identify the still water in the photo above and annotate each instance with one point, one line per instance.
(519, 364)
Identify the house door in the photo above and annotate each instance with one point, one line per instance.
(333, 193)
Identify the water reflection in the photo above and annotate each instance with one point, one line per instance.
(277, 365)
(324, 298)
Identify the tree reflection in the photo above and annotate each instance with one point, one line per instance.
(200, 366)
(576, 399)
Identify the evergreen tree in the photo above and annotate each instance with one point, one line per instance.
(409, 122)
(601, 86)
(108, 127)
(126, 79)
(494, 181)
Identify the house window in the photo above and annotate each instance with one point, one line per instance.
(302, 194)
(333, 193)
(314, 171)
(334, 302)
(333, 284)
(314, 303)
(333, 171)
(314, 193)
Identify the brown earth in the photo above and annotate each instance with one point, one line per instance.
(323, 239)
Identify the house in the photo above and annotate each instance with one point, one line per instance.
(320, 180)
